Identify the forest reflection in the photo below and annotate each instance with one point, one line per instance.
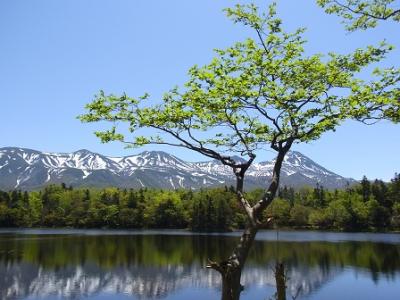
(152, 266)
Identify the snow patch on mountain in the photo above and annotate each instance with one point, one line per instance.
(27, 169)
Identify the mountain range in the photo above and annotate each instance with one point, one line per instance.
(28, 169)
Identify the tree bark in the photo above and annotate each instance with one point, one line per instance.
(280, 280)
(231, 269)
(231, 286)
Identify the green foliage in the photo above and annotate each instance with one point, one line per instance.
(204, 210)
(213, 210)
(318, 219)
(338, 214)
(280, 211)
(395, 220)
(299, 214)
(166, 212)
(378, 216)
(263, 90)
(362, 14)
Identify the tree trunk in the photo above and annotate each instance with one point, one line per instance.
(231, 286)
(280, 280)
(231, 269)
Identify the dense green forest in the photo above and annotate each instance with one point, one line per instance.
(366, 206)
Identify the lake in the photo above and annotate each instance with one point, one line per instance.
(117, 265)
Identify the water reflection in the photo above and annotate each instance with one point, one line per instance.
(155, 266)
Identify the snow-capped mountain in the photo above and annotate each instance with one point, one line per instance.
(29, 169)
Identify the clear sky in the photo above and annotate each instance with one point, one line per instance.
(55, 55)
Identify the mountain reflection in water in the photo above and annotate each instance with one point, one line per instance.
(156, 265)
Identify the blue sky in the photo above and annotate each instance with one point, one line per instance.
(55, 55)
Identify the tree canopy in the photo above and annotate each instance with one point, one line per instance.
(264, 90)
(362, 14)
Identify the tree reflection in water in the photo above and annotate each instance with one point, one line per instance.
(281, 281)
(152, 266)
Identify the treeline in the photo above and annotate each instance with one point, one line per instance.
(366, 206)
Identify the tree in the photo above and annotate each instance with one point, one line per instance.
(365, 188)
(319, 195)
(362, 14)
(35, 208)
(394, 189)
(380, 192)
(199, 210)
(261, 92)
(167, 211)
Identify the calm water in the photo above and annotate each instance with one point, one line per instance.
(95, 264)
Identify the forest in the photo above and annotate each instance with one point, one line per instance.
(367, 206)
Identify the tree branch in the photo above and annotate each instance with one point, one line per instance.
(270, 193)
